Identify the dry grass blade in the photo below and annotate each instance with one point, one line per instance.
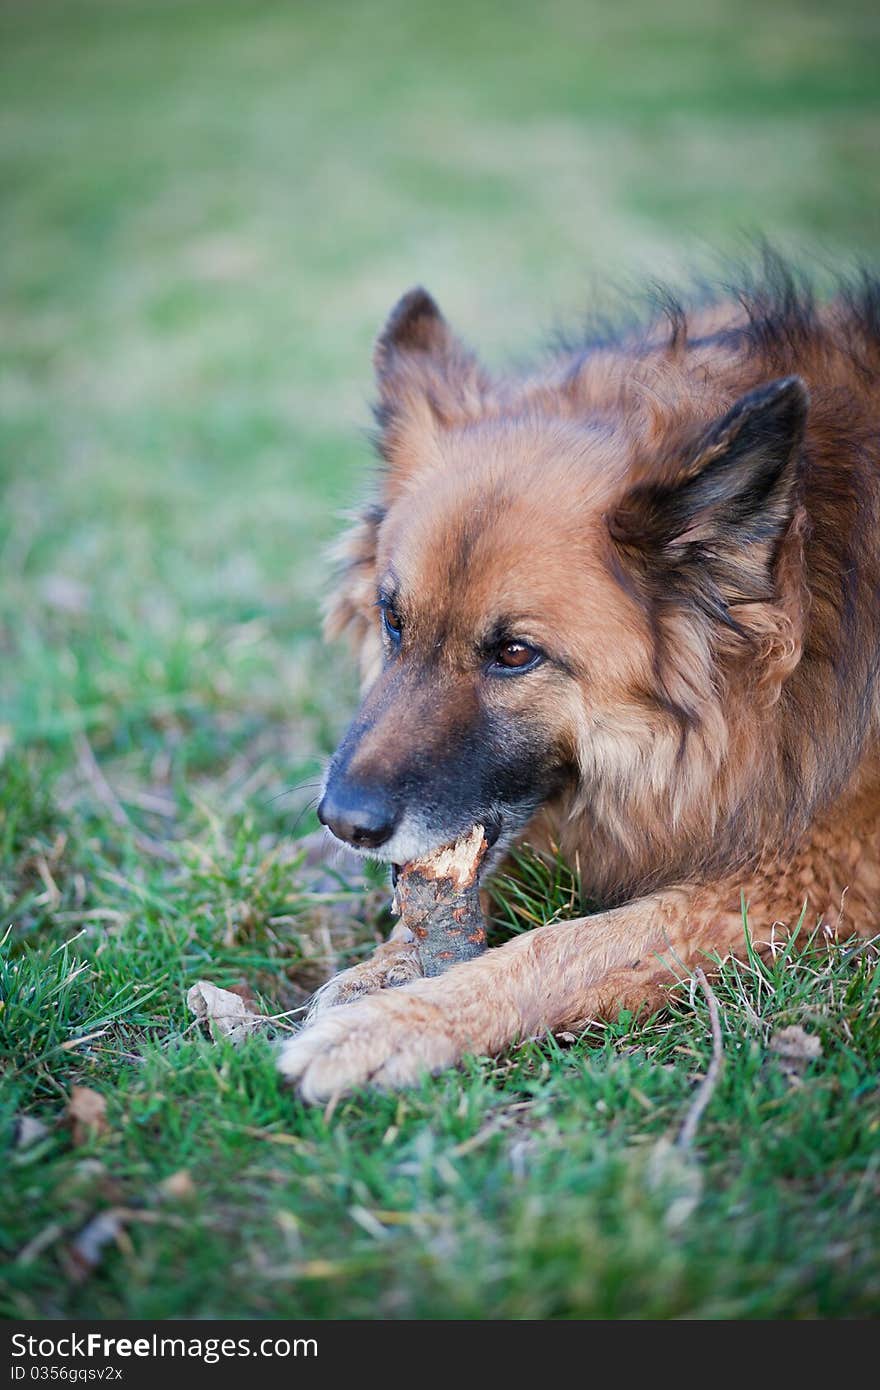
(688, 1131)
(91, 771)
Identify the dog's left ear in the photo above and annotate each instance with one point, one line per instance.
(425, 373)
(715, 519)
(415, 325)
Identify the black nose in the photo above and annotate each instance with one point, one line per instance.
(360, 815)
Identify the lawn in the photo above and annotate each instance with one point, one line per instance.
(206, 210)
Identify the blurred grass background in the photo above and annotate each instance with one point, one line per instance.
(208, 208)
(206, 211)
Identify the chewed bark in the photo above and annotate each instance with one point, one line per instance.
(438, 899)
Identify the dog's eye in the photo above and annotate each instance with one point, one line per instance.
(392, 624)
(516, 656)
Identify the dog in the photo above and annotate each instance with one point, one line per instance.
(627, 605)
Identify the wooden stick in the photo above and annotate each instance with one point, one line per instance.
(438, 899)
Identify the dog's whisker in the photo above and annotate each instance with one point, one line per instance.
(291, 791)
(309, 806)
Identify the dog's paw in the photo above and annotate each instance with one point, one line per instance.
(387, 969)
(389, 1039)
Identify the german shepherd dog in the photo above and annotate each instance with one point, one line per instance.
(628, 605)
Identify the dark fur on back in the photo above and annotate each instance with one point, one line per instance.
(781, 316)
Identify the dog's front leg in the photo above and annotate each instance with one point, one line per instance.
(550, 978)
(396, 962)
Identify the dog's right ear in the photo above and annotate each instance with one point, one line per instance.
(426, 376)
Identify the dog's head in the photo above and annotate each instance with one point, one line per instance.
(541, 592)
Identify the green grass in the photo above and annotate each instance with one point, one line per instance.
(207, 209)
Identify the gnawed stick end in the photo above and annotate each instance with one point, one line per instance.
(438, 899)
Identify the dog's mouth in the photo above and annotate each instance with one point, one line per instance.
(492, 828)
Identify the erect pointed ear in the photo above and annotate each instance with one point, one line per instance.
(722, 511)
(425, 373)
(415, 325)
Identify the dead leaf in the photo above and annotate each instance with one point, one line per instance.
(85, 1252)
(795, 1045)
(29, 1131)
(246, 995)
(225, 1011)
(178, 1186)
(88, 1114)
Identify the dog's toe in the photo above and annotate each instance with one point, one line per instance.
(299, 1056)
(378, 1041)
(387, 969)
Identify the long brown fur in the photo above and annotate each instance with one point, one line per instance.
(686, 520)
